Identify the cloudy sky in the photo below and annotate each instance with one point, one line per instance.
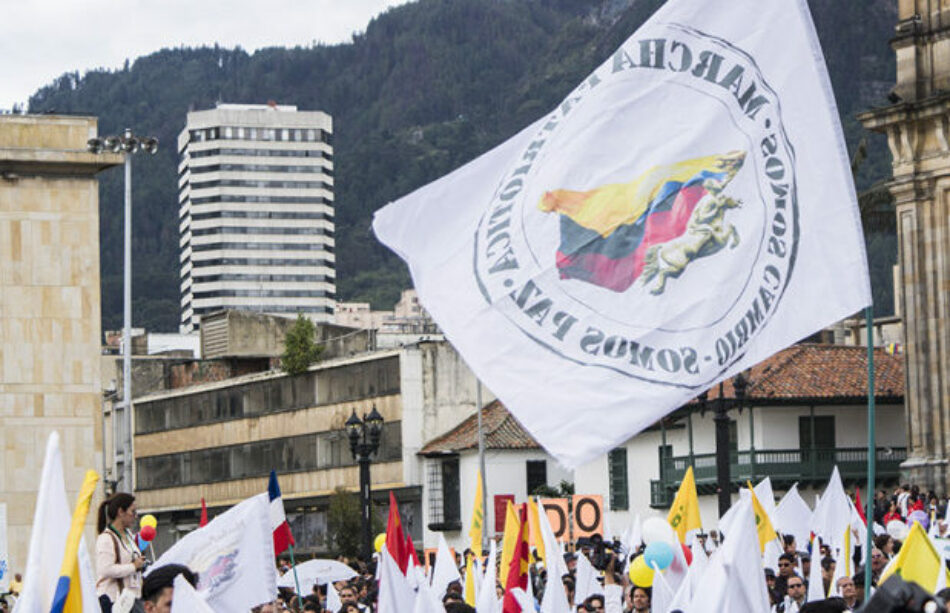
(42, 39)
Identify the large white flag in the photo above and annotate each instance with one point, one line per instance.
(684, 213)
(233, 556)
(51, 522)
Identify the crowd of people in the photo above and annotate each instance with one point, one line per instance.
(360, 594)
(788, 585)
(121, 586)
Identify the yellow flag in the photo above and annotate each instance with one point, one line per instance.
(763, 525)
(534, 521)
(470, 580)
(509, 541)
(848, 552)
(68, 597)
(684, 514)
(478, 518)
(917, 561)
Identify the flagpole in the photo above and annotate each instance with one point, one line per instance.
(481, 459)
(872, 453)
(293, 566)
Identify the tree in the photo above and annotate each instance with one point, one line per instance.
(300, 348)
(343, 523)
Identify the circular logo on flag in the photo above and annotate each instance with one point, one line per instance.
(648, 224)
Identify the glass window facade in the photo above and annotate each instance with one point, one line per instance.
(263, 247)
(261, 215)
(264, 134)
(307, 452)
(330, 386)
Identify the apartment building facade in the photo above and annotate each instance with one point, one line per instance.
(256, 212)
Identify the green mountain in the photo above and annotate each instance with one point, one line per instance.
(428, 86)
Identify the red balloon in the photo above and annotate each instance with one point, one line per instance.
(688, 553)
(147, 533)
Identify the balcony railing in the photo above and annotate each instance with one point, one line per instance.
(784, 466)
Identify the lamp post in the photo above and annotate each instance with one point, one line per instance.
(739, 386)
(127, 144)
(723, 480)
(722, 453)
(364, 443)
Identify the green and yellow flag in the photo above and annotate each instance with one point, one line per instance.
(478, 518)
(684, 514)
(763, 525)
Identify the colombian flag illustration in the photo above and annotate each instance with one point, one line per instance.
(606, 231)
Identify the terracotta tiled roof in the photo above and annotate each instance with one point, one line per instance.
(502, 431)
(810, 371)
(801, 372)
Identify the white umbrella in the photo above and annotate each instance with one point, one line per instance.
(316, 571)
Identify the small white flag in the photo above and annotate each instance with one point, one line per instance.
(233, 556)
(186, 599)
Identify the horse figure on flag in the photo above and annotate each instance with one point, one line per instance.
(707, 232)
(649, 228)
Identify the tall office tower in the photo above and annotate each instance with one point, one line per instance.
(256, 212)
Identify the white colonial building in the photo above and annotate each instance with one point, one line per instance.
(515, 465)
(804, 411)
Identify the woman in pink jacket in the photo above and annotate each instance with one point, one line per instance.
(118, 559)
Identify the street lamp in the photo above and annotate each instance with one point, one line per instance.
(127, 144)
(364, 443)
(723, 480)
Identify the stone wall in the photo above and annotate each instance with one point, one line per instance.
(49, 308)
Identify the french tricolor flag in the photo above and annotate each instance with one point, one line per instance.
(278, 520)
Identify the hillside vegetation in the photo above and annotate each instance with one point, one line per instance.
(428, 86)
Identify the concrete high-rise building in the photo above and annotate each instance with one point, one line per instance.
(256, 212)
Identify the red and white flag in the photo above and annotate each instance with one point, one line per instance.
(278, 520)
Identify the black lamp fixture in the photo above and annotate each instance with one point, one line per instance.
(365, 435)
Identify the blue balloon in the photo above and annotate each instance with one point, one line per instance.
(143, 545)
(658, 553)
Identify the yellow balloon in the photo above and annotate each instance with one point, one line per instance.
(148, 520)
(380, 541)
(640, 574)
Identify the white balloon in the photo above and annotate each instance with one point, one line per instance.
(897, 529)
(658, 530)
